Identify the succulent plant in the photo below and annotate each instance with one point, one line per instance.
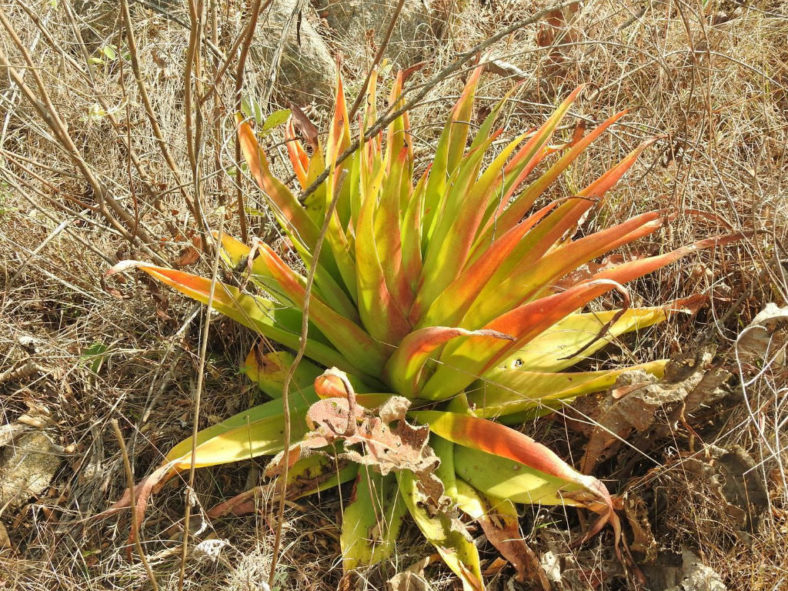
(445, 307)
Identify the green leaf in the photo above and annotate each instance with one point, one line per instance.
(557, 347)
(507, 479)
(260, 314)
(405, 368)
(95, 355)
(109, 51)
(542, 477)
(269, 371)
(448, 535)
(248, 434)
(276, 119)
(289, 212)
(506, 391)
(372, 520)
(471, 356)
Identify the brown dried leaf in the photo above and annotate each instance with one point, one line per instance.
(739, 493)
(408, 72)
(407, 581)
(142, 492)
(502, 68)
(635, 402)
(190, 254)
(251, 500)
(503, 532)
(5, 541)
(643, 540)
(304, 125)
(547, 32)
(385, 441)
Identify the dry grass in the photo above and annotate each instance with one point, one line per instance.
(711, 77)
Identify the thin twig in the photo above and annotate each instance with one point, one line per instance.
(196, 414)
(216, 113)
(134, 524)
(87, 75)
(188, 74)
(169, 16)
(277, 56)
(50, 115)
(289, 378)
(193, 111)
(239, 80)
(152, 119)
(376, 61)
(453, 67)
(221, 70)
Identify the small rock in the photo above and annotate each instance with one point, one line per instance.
(26, 468)
(696, 576)
(354, 20)
(682, 573)
(551, 564)
(306, 70)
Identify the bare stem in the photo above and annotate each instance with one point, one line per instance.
(154, 122)
(239, 80)
(196, 414)
(134, 524)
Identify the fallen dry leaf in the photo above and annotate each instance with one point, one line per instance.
(304, 125)
(638, 400)
(764, 340)
(503, 532)
(730, 477)
(407, 581)
(386, 441)
(251, 500)
(636, 512)
(5, 541)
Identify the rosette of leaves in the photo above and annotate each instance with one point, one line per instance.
(449, 301)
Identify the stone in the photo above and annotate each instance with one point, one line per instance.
(306, 72)
(27, 467)
(356, 20)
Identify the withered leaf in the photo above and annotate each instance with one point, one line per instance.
(304, 125)
(638, 402)
(385, 441)
(765, 338)
(643, 540)
(503, 531)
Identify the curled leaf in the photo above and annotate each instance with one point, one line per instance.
(499, 520)
(384, 440)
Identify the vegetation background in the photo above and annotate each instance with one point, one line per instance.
(94, 170)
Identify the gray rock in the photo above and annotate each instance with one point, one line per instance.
(682, 573)
(27, 466)
(306, 70)
(696, 576)
(350, 20)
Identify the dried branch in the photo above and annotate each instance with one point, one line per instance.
(134, 524)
